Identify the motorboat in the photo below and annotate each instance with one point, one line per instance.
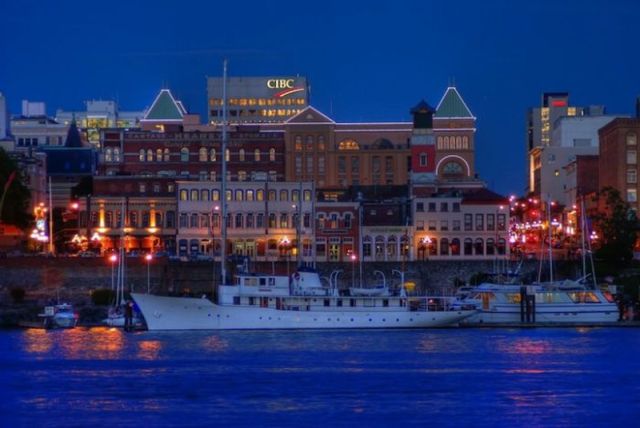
(551, 303)
(59, 316)
(261, 301)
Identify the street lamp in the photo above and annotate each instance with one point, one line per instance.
(113, 259)
(353, 269)
(148, 258)
(284, 243)
(425, 243)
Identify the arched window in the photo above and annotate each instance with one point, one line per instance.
(309, 143)
(433, 247)
(204, 195)
(295, 195)
(392, 245)
(445, 144)
(284, 220)
(502, 246)
(444, 247)
(307, 195)
(116, 154)
(212, 155)
(167, 155)
(194, 194)
(184, 195)
(108, 155)
(194, 220)
(202, 154)
(238, 221)
(184, 154)
(272, 154)
(348, 144)
(250, 194)
(249, 221)
(227, 155)
(256, 155)
(215, 195)
(158, 155)
(239, 195)
(298, 143)
(479, 247)
(452, 168)
(379, 247)
(490, 247)
(455, 247)
(260, 195)
(440, 143)
(284, 195)
(272, 220)
(229, 195)
(468, 246)
(149, 155)
(241, 155)
(423, 159)
(141, 155)
(632, 139)
(458, 143)
(465, 142)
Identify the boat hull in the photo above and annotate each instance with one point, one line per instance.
(185, 313)
(551, 314)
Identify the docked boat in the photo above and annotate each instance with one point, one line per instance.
(553, 303)
(379, 290)
(59, 316)
(257, 301)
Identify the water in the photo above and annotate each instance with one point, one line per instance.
(451, 377)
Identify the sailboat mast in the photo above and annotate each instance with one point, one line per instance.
(223, 197)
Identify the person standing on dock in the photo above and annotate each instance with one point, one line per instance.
(128, 316)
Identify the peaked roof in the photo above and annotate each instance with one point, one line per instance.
(73, 136)
(165, 108)
(310, 115)
(452, 105)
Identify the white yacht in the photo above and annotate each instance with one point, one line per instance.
(59, 316)
(567, 302)
(258, 301)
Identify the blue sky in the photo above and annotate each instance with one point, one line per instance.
(366, 61)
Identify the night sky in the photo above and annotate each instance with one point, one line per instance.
(365, 60)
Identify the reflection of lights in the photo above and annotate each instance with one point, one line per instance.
(37, 341)
(113, 258)
(353, 257)
(148, 257)
(149, 349)
(96, 236)
(152, 229)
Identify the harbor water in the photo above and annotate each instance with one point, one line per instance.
(444, 377)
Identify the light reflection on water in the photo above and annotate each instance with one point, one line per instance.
(497, 377)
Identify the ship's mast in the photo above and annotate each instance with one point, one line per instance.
(223, 196)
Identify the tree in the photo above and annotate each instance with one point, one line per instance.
(617, 226)
(15, 195)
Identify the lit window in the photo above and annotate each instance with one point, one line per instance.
(241, 155)
(272, 154)
(632, 195)
(423, 159)
(348, 144)
(202, 154)
(632, 176)
(256, 155)
(184, 154)
(632, 139)
(632, 157)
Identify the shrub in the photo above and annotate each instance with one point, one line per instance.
(17, 294)
(102, 296)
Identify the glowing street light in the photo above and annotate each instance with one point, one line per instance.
(113, 259)
(353, 269)
(148, 258)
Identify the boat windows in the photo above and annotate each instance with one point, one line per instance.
(236, 300)
(583, 297)
(385, 303)
(339, 302)
(327, 302)
(608, 296)
(352, 302)
(513, 298)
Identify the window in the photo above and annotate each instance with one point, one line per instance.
(241, 155)
(432, 207)
(632, 195)
(479, 222)
(502, 221)
(632, 139)
(456, 207)
(116, 154)
(141, 155)
(212, 155)
(456, 225)
(272, 154)
(260, 220)
(321, 164)
(342, 165)
(238, 221)
(321, 143)
(260, 195)
(632, 176)
(249, 221)
(419, 225)
(298, 143)
(204, 195)
(256, 155)
(202, 154)
(444, 207)
(167, 155)
(309, 143)
(171, 219)
(184, 195)
(307, 195)
(227, 155)
(432, 225)
(444, 225)
(423, 159)
(284, 195)
(284, 220)
(468, 222)
(194, 221)
(195, 194)
(142, 187)
(468, 247)
(239, 195)
(108, 155)
(348, 144)
(215, 195)
(159, 155)
(184, 154)
(250, 194)
(420, 207)
(491, 222)
(479, 247)
(242, 175)
(632, 156)
(452, 168)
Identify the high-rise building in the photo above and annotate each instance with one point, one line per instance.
(540, 123)
(257, 99)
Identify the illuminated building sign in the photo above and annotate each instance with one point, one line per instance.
(257, 99)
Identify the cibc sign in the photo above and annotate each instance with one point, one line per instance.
(280, 83)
